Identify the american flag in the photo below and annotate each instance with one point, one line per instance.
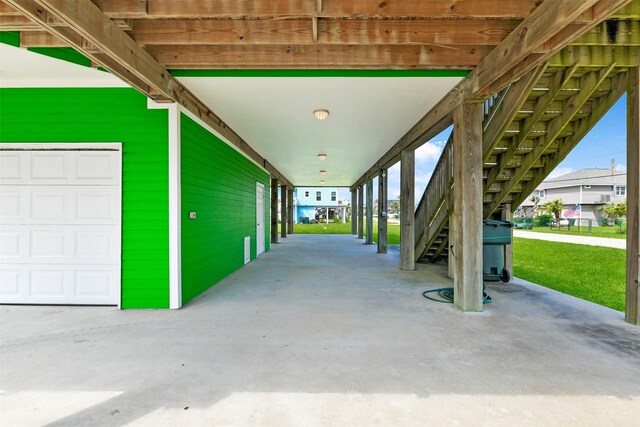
(573, 212)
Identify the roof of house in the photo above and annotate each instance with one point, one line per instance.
(590, 176)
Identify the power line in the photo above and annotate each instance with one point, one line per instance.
(584, 178)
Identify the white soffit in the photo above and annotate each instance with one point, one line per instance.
(368, 115)
(20, 68)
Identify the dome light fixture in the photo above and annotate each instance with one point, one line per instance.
(322, 181)
(321, 114)
(322, 156)
(322, 172)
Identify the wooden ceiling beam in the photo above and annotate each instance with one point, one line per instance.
(40, 39)
(17, 23)
(339, 31)
(319, 56)
(199, 9)
(91, 32)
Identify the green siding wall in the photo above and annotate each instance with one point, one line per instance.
(111, 115)
(219, 184)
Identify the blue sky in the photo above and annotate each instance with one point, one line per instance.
(606, 141)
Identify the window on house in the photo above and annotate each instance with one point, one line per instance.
(621, 191)
(587, 186)
(333, 196)
(306, 194)
(542, 193)
(318, 196)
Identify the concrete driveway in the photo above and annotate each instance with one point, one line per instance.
(322, 331)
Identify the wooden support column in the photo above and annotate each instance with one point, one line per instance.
(382, 211)
(451, 267)
(290, 212)
(361, 212)
(508, 249)
(407, 209)
(467, 176)
(274, 211)
(369, 233)
(633, 197)
(283, 211)
(354, 211)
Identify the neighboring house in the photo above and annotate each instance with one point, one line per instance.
(587, 188)
(308, 199)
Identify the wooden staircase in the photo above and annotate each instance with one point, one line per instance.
(528, 129)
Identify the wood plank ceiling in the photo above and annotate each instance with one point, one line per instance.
(316, 34)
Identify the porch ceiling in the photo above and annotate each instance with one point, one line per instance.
(367, 115)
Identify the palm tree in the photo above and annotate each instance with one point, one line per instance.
(554, 208)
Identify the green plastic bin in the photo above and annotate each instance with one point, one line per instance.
(495, 235)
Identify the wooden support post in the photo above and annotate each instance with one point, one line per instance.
(290, 212)
(361, 212)
(467, 173)
(344, 215)
(508, 249)
(382, 211)
(633, 197)
(451, 268)
(283, 211)
(354, 212)
(274, 211)
(407, 209)
(369, 233)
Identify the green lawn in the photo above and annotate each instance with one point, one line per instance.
(592, 273)
(611, 232)
(393, 237)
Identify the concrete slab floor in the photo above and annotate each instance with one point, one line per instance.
(323, 331)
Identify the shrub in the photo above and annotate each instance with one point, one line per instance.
(543, 220)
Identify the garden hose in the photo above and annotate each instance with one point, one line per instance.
(446, 295)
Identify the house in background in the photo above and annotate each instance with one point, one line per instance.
(308, 199)
(587, 188)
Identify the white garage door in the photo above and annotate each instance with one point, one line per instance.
(60, 213)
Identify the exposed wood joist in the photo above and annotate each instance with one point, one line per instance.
(40, 39)
(308, 8)
(344, 31)
(549, 25)
(318, 56)
(85, 25)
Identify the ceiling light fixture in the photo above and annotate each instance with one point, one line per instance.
(321, 114)
(322, 156)
(323, 172)
(322, 181)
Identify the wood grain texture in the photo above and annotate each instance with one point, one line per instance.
(407, 208)
(290, 211)
(633, 197)
(354, 212)
(274, 210)
(467, 166)
(382, 211)
(369, 208)
(283, 211)
(360, 212)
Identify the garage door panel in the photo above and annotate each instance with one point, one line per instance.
(60, 229)
(60, 205)
(12, 166)
(39, 244)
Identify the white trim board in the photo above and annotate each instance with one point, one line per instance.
(175, 204)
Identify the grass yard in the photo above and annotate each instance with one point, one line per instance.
(393, 237)
(610, 232)
(592, 273)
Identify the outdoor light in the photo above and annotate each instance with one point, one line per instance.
(322, 181)
(323, 172)
(322, 156)
(321, 114)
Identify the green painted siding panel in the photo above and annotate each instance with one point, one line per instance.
(111, 115)
(219, 184)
